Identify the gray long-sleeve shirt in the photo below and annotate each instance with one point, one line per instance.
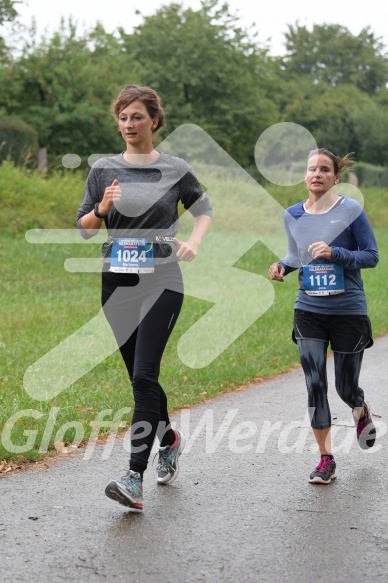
(149, 203)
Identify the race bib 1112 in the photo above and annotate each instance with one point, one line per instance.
(323, 279)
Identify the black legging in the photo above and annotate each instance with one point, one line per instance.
(142, 314)
(313, 354)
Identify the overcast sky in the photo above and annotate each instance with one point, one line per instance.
(270, 16)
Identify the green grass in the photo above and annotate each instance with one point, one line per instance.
(42, 304)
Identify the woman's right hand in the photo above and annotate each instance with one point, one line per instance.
(276, 272)
(112, 195)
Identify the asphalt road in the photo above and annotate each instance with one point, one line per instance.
(241, 509)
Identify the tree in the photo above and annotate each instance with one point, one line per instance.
(8, 13)
(327, 112)
(331, 54)
(208, 71)
(371, 127)
(63, 87)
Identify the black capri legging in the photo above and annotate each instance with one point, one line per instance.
(142, 312)
(313, 356)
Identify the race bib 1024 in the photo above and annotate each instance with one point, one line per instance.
(323, 279)
(132, 256)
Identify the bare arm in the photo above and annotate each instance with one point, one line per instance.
(90, 223)
(187, 251)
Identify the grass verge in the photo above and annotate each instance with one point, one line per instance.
(42, 304)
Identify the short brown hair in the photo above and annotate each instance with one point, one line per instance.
(146, 95)
(340, 164)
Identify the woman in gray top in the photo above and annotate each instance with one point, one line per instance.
(136, 195)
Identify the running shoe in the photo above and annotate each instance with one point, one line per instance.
(366, 431)
(129, 491)
(324, 473)
(168, 469)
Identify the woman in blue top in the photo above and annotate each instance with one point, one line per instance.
(330, 240)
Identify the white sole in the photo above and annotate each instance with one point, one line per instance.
(318, 480)
(182, 447)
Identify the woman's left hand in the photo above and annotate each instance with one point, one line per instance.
(320, 249)
(187, 251)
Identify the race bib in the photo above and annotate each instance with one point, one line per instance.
(132, 256)
(323, 279)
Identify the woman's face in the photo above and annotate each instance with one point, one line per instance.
(136, 126)
(319, 175)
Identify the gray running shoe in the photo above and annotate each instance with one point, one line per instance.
(324, 473)
(168, 469)
(129, 491)
(366, 430)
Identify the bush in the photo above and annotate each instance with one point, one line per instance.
(18, 142)
(370, 175)
(32, 199)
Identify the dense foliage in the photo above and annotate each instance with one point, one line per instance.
(210, 72)
(18, 141)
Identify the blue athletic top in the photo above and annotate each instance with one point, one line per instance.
(346, 228)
